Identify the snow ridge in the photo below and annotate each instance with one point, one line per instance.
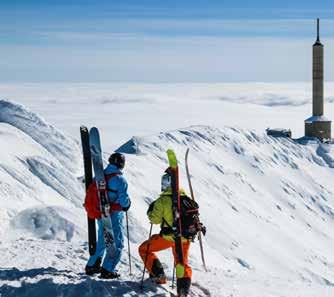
(63, 148)
(37, 177)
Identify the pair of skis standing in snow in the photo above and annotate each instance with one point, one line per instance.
(107, 200)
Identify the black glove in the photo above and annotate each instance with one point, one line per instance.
(150, 208)
(127, 208)
(203, 229)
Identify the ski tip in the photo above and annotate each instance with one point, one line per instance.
(83, 128)
(187, 152)
(94, 130)
(172, 160)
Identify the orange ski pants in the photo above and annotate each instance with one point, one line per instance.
(158, 243)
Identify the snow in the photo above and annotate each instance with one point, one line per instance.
(44, 223)
(64, 149)
(35, 170)
(123, 110)
(267, 203)
(317, 119)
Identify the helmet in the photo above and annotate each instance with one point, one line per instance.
(117, 159)
(166, 181)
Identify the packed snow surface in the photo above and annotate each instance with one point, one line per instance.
(267, 203)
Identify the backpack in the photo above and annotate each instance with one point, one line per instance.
(92, 201)
(190, 222)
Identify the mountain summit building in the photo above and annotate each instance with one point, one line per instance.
(318, 125)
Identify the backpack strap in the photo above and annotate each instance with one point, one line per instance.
(166, 230)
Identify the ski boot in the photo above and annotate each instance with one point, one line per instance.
(105, 274)
(160, 279)
(183, 286)
(158, 274)
(91, 270)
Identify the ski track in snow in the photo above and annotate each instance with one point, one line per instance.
(267, 203)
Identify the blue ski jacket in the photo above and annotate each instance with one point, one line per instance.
(119, 187)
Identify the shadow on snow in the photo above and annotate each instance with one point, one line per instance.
(70, 284)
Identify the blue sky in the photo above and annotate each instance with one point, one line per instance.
(162, 41)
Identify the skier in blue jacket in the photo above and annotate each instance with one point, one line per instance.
(120, 203)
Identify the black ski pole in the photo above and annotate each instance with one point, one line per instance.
(129, 251)
(148, 247)
(173, 279)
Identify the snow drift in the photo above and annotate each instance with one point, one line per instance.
(63, 148)
(44, 223)
(38, 169)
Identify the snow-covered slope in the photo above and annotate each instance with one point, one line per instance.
(38, 168)
(267, 203)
